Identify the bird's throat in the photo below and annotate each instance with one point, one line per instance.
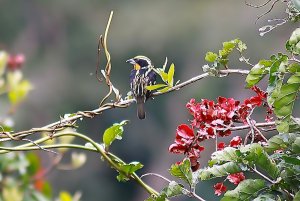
(137, 67)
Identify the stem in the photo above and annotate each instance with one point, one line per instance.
(263, 176)
(98, 148)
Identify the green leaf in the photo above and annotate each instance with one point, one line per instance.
(183, 171)
(114, 132)
(219, 171)
(156, 86)
(128, 169)
(276, 76)
(19, 92)
(173, 189)
(246, 190)
(225, 155)
(163, 75)
(297, 196)
(266, 197)
(283, 105)
(291, 160)
(296, 146)
(255, 154)
(255, 75)
(171, 75)
(164, 89)
(211, 57)
(280, 141)
(34, 163)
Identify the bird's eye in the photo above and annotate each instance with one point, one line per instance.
(142, 62)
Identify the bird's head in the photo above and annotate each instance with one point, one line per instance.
(140, 62)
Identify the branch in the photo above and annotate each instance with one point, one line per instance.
(71, 120)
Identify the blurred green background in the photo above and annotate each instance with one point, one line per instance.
(59, 39)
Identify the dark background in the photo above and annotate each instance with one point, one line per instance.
(59, 39)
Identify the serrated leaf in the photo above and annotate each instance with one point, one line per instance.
(254, 153)
(255, 75)
(280, 141)
(211, 57)
(171, 75)
(156, 86)
(225, 155)
(219, 171)
(114, 132)
(183, 171)
(246, 190)
(283, 105)
(173, 189)
(127, 170)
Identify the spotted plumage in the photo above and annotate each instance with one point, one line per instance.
(141, 75)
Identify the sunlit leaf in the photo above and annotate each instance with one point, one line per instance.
(255, 154)
(183, 171)
(246, 190)
(114, 132)
(255, 75)
(211, 57)
(156, 86)
(171, 75)
(219, 171)
(164, 89)
(283, 105)
(127, 170)
(173, 189)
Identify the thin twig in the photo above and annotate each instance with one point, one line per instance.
(257, 6)
(157, 175)
(262, 175)
(268, 11)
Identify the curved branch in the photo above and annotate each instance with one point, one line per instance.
(69, 121)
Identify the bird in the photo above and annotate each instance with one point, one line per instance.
(141, 75)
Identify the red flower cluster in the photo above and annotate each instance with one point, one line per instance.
(236, 178)
(219, 188)
(187, 143)
(15, 61)
(211, 119)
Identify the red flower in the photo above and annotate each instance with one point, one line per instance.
(15, 61)
(236, 178)
(236, 141)
(219, 188)
(221, 146)
(185, 143)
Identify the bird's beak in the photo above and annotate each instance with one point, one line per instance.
(131, 61)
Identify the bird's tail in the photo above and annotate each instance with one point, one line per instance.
(140, 100)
